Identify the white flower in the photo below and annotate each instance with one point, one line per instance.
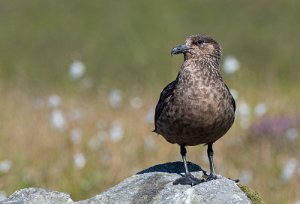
(149, 142)
(260, 109)
(149, 118)
(96, 141)
(76, 135)
(116, 131)
(115, 98)
(57, 119)
(231, 65)
(79, 160)
(77, 69)
(289, 169)
(297, 202)
(5, 166)
(54, 101)
(246, 176)
(234, 93)
(292, 134)
(136, 102)
(243, 110)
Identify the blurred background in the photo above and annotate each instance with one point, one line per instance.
(79, 81)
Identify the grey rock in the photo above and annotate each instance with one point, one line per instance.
(37, 196)
(152, 185)
(2, 196)
(155, 185)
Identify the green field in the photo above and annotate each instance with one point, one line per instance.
(125, 46)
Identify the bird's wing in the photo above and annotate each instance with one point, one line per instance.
(233, 103)
(165, 96)
(232, 99)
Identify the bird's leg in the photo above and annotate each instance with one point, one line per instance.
(183, 155)
(210, 154)
(188, 179)
(212, 175)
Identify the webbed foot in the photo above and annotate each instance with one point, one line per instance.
(188, 180)
(211, 177)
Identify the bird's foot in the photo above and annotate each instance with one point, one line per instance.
(214, 176)
(211, 177)
(205, 173)
(188, 179)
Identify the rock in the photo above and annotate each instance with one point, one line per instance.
(2, 196)
(37, 196)
(152, 185)
(155, 185)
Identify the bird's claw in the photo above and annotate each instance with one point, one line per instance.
(205, 173)
(211, 177)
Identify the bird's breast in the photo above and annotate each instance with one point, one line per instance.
(200, 111)
(197, 115)
(202, 104)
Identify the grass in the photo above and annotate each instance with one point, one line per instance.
(42, 156)
(126, 45)
(37, 46)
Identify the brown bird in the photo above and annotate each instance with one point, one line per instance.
(196, 108)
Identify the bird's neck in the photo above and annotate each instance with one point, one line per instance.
(197, 71)
(202, 64)
(204, 58)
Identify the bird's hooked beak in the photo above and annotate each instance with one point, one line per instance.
(180, 49)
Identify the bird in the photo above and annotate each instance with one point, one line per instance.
(197, 107)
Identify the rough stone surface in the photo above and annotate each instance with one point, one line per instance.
(37, 196)
(153, 185)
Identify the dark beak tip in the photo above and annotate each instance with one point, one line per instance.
(179, 49)
(173, 52)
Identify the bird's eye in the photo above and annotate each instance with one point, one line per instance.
(199, 42)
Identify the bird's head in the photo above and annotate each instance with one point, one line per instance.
(199, 47)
